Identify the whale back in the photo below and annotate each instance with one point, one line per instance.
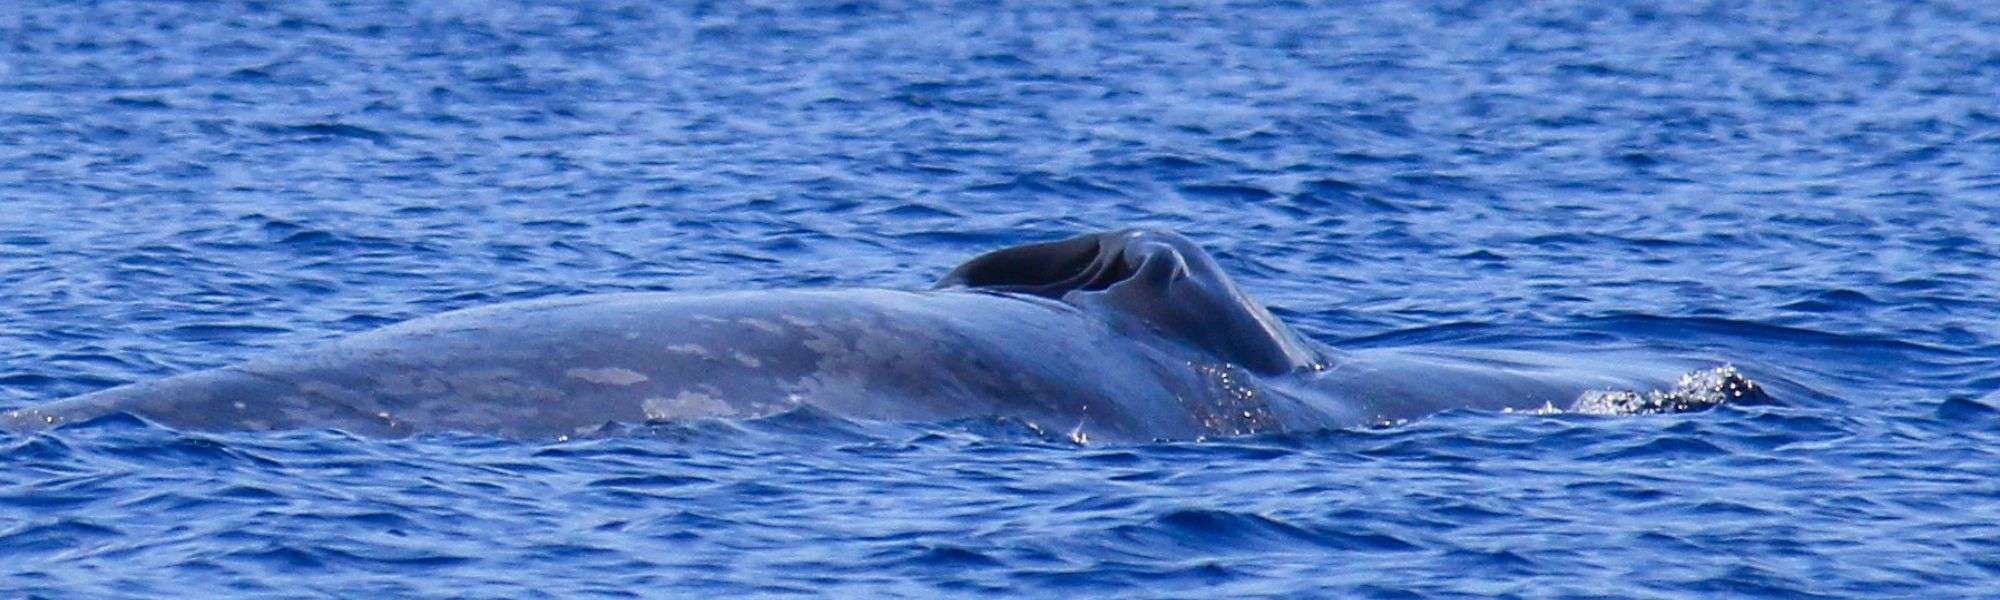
(1150, 278)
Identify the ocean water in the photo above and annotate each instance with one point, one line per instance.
(1808, 190)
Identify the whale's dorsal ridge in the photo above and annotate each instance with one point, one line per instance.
(1157, 276)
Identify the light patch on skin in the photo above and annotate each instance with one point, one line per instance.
(747, 360)
(694, 350)
(607, 375)
(687, 404)
(763, 325)
(829, 347)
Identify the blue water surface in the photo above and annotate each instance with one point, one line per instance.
(1808, 190)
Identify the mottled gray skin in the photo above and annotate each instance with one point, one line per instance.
(1129, 335)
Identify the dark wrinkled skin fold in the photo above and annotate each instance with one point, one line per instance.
(1123, 335)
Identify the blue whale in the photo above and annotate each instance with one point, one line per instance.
(1122, 335)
